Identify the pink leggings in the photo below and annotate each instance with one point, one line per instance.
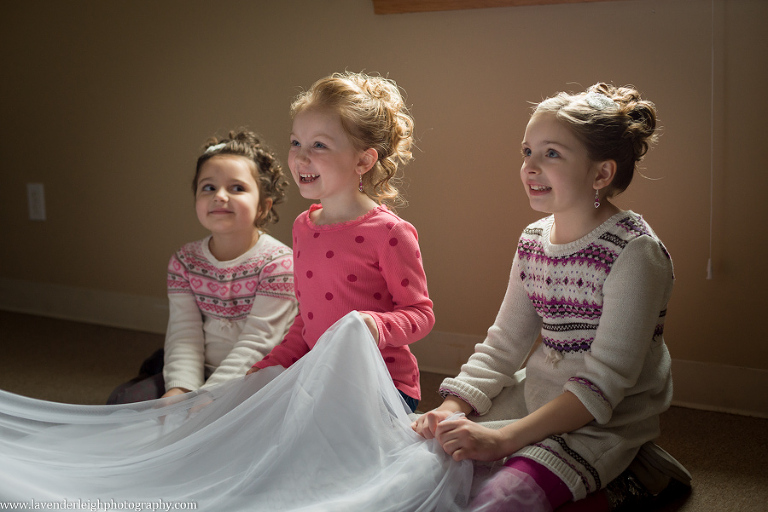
(524, 484)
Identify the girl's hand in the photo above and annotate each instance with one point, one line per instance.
(174, 392)
(464, 439)
(371, 324)
(253, 369)
(427, 423)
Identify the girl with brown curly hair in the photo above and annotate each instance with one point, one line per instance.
(230, 294)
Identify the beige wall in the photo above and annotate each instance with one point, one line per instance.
(107, 104)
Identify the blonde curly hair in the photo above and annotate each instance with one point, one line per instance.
(374, 115)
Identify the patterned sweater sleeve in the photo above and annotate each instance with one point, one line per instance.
(401, 266)
(508, 342)
(291, 349)
(265, 326)
(635, 296)
(184, 341)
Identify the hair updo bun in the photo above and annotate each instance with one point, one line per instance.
(614, 123)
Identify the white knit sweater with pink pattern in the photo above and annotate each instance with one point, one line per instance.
(225, 315)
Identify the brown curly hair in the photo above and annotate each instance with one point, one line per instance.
(267, 171)
(374, 115)
(614, 123)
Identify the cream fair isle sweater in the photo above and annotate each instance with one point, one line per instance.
(599, 304)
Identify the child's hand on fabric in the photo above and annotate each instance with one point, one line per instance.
(371, 324)
(174, 391)
(204, 402)
(426, 424)
(172, 396)
(464, 439)
(253, 369)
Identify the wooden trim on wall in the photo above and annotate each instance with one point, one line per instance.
(404, 6)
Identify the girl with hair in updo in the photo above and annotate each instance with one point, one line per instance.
(231, 297)
(350, 134)
(574, 428)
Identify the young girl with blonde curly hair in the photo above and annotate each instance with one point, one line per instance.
(350, 134)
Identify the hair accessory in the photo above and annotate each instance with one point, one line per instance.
(216, 147)
(599, 101)
(360, 185)
(597, 199)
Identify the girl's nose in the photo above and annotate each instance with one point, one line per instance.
(531, 167)
(221, 195)
(301, 155)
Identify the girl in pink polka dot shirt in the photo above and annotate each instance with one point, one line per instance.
(351, 252)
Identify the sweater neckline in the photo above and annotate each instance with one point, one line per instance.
(340, 225)
(247, 254)
(584, 241)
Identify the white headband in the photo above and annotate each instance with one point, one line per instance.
(217, 147)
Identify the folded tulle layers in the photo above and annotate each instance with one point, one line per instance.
(329, 433)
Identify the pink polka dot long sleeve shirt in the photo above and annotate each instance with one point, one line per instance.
(372, 265)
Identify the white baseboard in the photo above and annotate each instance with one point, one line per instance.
(720, 388)
(136, 312)
(698, 385)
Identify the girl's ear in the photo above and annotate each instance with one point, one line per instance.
(368, 159)
(264, 209)
(606, 171)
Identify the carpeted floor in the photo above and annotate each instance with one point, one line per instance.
(80, 363)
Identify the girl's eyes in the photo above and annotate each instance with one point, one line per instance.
(550, 153)
(212, 188)
(316, 145)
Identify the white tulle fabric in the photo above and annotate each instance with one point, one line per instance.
(330, 433)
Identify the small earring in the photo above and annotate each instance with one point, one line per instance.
(597, 199)
(360, 185)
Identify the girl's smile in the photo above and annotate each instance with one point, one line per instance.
(538, 189)
(308, 178)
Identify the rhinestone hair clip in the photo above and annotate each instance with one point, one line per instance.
(599, 101)
(216, 147)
